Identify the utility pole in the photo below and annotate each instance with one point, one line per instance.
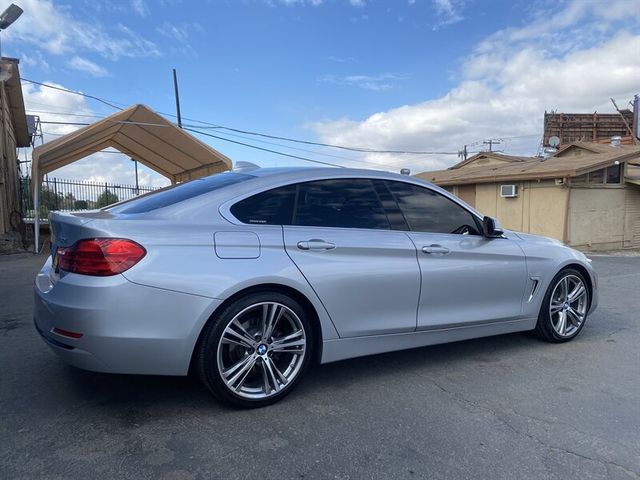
(463, 153)
(175, 87)
(636, 118)
(626, 124)
(491, 142)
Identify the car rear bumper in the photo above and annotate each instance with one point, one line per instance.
(125, 327)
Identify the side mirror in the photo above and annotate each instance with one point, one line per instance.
(491, 228)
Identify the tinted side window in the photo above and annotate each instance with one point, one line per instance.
(347, 203)
(428, 211)
(273, 207)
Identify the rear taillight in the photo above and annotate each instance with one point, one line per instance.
(100, 256)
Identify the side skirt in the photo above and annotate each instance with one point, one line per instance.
(343, 348)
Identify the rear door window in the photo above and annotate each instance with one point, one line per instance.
(345, 203)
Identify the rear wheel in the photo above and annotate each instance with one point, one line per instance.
(255, 351)
(564, 308)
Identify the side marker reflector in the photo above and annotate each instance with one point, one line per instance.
(66, 333)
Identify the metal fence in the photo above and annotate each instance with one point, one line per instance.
(59, 194)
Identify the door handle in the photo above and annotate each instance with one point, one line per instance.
(316, 244)
(435, 249)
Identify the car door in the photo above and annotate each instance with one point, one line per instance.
(466, 278)
(365, 273)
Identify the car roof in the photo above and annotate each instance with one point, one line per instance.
(305, 173)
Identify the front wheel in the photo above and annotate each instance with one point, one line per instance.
(255, 351)
(564, 308)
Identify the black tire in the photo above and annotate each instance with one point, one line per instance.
(544, 327)
(207, 349)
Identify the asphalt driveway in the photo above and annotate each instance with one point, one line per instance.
(502, 407)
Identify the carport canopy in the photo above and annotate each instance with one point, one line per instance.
(138, 132)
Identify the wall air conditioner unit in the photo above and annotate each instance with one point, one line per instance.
(508, 191)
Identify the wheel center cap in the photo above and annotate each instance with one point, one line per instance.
(262, 349)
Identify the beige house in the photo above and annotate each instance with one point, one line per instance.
(13, 134)
(587, 195)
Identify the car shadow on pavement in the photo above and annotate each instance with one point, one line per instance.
(132, 398)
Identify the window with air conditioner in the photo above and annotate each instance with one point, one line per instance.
(508, 191)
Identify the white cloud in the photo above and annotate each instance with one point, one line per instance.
(179, 33)
(313, 3)
(340, 59)
(98, 167)
(291, 3)
(140, 7)
(375, 83)
(54, 29)
(448, 11)
(503, 88)
(87, 66)
(35, 59)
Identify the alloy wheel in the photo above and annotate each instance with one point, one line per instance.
(261, 350)
(568, 306)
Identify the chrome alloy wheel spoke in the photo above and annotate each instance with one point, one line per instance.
(293, 343)
(561, 327)
(577, 293)
(273, 380)
(556, 307)
(237, 374)
(574, 317)
(565, 288)
(236, 334)
(271, 313)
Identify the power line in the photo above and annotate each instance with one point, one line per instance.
(329, 145)
(260, 148)
(249, 132)
(42, 112)
(76, 124)
(229, 140)
(74, 92)
(209, 125)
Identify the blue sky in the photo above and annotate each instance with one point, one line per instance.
(427, 75)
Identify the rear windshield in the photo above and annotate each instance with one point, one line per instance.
(177, 193)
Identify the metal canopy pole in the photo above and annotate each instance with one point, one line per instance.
(36, 218)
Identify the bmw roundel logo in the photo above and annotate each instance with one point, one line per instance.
(262, 349)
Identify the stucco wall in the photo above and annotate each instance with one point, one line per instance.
(467, 193)
(539, 208)
(602, 218)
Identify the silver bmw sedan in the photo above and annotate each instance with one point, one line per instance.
(246, 277)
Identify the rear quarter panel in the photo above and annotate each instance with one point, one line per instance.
(182, 257)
